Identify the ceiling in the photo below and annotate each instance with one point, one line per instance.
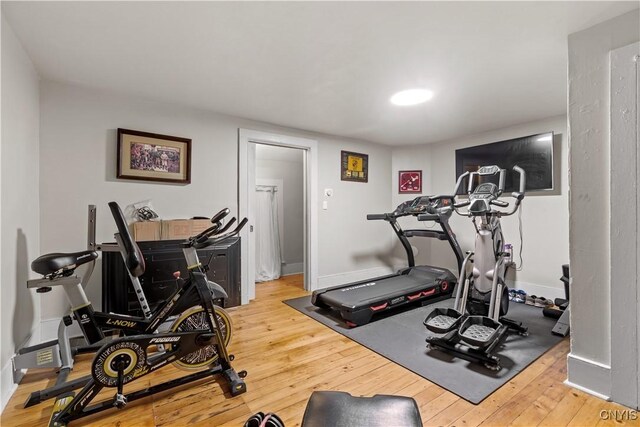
(328, 67)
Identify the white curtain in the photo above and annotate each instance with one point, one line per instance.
(268, 256)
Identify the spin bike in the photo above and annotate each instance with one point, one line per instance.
(59, 269)
(476, 326)
(196, 340)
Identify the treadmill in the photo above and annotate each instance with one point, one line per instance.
(357, 302)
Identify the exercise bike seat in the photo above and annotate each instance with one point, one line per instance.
(51, 263)
(340, 409)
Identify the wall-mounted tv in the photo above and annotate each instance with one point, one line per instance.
(532, 153)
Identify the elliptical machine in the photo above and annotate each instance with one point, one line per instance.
(475, 327)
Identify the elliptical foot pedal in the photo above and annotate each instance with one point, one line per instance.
(479, 331)
(443, 320)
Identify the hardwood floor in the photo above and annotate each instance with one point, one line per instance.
(289, 355)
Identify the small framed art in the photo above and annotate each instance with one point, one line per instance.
(153, 157)
(354, 166)
(410, 182)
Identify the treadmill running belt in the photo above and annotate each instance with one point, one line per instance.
(372, 292)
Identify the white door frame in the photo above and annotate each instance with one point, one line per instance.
(247, 140)
(625, 239)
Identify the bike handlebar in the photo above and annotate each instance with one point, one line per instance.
(226, 227)
(218, 237)
(216, 221)
(216, 231)
(213, 231)
(220, 215)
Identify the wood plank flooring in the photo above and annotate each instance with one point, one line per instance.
(289, 355)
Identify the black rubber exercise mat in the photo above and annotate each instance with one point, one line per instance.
(401, 339)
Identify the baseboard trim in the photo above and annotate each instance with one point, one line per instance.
(586, 390)
(589, 376)
(292, 268)
(352, 276)
(8, 387)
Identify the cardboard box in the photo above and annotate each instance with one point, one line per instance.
(145, 230)
(179, 229)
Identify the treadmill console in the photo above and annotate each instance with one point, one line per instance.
(422, 204)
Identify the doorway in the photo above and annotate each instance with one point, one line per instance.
(274, 173)
(279, 213)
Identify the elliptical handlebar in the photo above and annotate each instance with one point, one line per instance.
(459, 182)
(523, 178)
(499, 203)
(461, 204)
(518, 195)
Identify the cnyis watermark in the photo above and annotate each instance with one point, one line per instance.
(619, 414)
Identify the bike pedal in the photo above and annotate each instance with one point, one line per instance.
(60, 405)
(120, 401)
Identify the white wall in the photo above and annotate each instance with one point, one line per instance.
(545, 215)
(589, 152)
(20, 202)
(286, 164)
(78, 154)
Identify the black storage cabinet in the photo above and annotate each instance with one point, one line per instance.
(162, 258)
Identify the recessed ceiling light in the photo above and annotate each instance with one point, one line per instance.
(411, 97)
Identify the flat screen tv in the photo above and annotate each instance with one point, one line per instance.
(532, 153)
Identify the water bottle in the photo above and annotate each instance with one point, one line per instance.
(508, 248)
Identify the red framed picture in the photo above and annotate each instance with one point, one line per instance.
(409, 182)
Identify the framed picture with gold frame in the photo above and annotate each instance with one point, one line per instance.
(354, 166)
(153, 157)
